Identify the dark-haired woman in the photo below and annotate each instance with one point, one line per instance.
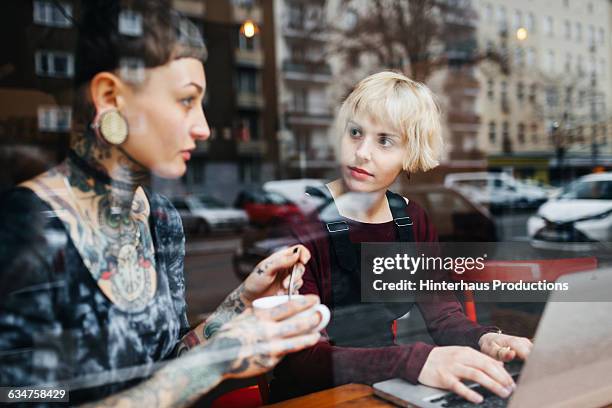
(91, 260)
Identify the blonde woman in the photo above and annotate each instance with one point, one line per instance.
(387, 126)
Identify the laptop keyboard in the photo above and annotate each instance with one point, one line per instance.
(490, 400)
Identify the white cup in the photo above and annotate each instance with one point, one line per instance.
(269, 302)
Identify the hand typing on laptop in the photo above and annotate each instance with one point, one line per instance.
(446, 367)
(503, 347)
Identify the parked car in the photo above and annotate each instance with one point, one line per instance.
(294, 190)
(204, 214)
(579, 218)
(267, 207)
(457, 219)
(497, 191)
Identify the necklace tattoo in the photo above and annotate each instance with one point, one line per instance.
(125, 264)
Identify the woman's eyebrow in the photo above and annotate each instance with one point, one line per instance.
(198, 86)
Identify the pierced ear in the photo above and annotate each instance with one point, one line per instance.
(105, 90)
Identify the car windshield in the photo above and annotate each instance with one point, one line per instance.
(207, 202)
(589, 190)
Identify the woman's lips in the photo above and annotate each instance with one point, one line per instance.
(186, 155)
(359, 174)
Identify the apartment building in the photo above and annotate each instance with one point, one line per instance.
(551, 102)
(304, 78)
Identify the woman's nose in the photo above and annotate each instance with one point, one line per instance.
(201, 131)
(363, 149)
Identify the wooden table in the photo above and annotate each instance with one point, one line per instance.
(349, 395)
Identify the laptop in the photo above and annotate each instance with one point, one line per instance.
(570, 364)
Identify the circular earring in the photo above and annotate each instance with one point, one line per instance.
(112, 127)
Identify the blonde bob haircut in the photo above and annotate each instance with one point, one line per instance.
(407, 106)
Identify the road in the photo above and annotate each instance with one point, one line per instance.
(209, 273)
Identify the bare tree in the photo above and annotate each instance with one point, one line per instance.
(414, 36)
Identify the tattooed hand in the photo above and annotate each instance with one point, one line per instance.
(271, 276)
(253, 343)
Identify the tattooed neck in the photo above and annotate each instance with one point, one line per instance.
(106, 171)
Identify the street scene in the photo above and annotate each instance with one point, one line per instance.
(480, 122)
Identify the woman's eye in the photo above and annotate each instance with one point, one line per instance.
(188, 102)
(385, 141)
(354, 132)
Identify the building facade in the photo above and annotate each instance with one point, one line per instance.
(304, 78)
(548, 105)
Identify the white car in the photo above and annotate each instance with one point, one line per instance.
(295, 189)
(579, 218)
(206, 214)
(496, 190)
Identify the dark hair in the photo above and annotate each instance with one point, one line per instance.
(166, 35)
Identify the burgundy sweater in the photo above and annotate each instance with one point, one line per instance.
(325, 365)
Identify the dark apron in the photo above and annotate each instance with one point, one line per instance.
(353, 323)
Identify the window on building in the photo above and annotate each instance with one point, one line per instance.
(591, 35)
(130, 22)
(530, 57)
(490, 88)
(492, 132)
(488, 13)
(590, 8)
(581, 98)
(534, 133)
(505, 131)
(550, 61)
(569, 96)
(502, 18)
(568, 62)
(300, 100)
(54, 64)
(601, 37)
(549, 28)
(54, 118)
(602, 68)
(519, 57)
(566, 3)
(578, 34)
(533, 93)
(530, 23)
(580, 65)
(247, 81)
(132, 70)
(521, 133)
(504, 89)
(296, 12)
(248, 44)
(49, 14)
(552, 96)
(520, 90)
(567, 29)
(517, 21)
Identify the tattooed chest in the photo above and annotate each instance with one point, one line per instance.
(123, 265)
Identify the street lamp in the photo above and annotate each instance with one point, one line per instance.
(249, 29)
(521, 34)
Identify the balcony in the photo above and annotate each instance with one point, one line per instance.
(250, 100)
(308, 119)
(249, 58)
(307, 72)
(301, 31)
(252, 148)
(242, 13)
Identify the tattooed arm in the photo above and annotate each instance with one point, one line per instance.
(270, 277)
(248, 345)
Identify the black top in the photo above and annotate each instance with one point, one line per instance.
(57, 326)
